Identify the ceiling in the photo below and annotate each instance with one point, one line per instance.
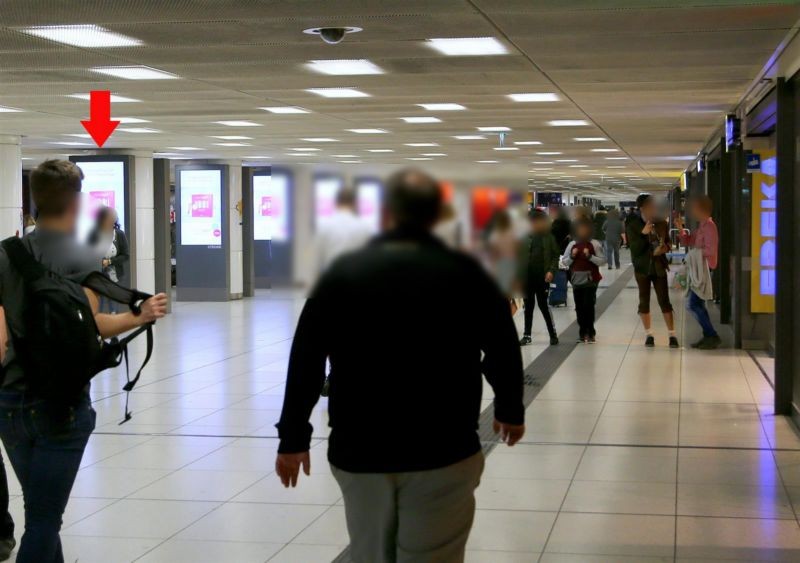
(654, 77)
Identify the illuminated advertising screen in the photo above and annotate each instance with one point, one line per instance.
(325, 190)
(201, 207)
(271, 207)
(369, 202)
(103, 186)
(764, 233)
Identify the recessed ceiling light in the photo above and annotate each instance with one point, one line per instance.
(6, 109)
(320, 140)
(89, 36)
(487, 161)
(616, 158)
(434, 154)
(138, 130)
(590, 139)
(305, 149)
(368, 131)
(185, 148)
(464, 46)
(344, 156)
(567, 160)
(233, 144)
(114, 98)
(605, 150)
(469, 137)
(617, 166)
(549, 153)
(442, 107)
(422, 144)
(579, 166)
(351, 161)
(338, 92)
(421, 119)
(380, 150)
(257, 157)
(568, 123)
(419, 158)
(231, 137)
(527, 143)
(71, 144)
(126, 120)
(78, 135)
(137, 72)
(285, 109)
(494, 129)
(535, 97)
(238, 123)
(542, 162)
(343, 67)
(506, 148)
(539, 169)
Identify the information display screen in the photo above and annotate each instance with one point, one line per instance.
(271, 207)
(201, 207)
(369, 202)
(325, 190)
(103, 186)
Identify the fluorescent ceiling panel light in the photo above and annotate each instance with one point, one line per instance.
(535, 97)
(233, 144)
(466, 46)
(78, 135)
(421, 119)
(380, 150)
(568, 123)
(368, 131)
(351, 161)
(494, 129)
(419, 158)
(89, 36)
(527, 143)
(549, 153)
(567, 160)
(320, 140)
(343, 67)
(6, 109)
(344, 156)
(579, 166)
(231, 137)
(616, 158)
(590, 139)
(338, 92)
(137, 72)
(470, 137)
(542, 162)
(257, 157)
(434, 154)
(238, 123)
(605, 150)
(114, 98)
(285, 109)
(506, 148)
(617, 166)
(185, 148)
(442, 107)
(128, 120)
(487, 161)
(422, 144)
(305, 149)
(71, 144)
(138, 130)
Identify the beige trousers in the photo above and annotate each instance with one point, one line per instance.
(415, 517)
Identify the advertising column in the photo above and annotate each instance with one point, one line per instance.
(203, 246)
(763, 274)
(272, 227)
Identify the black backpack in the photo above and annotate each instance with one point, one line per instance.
(60, 349)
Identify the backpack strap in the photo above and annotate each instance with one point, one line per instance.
(102, 285)
(128, 387)
(28, 267)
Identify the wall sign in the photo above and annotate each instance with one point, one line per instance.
(753, 162)
(763, 275)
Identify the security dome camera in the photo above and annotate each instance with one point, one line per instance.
(332, 35)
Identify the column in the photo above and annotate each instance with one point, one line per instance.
(303, 261)
(236, 263)
(144, 232)
(10, 186)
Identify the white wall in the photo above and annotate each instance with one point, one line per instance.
(10, 186)
(235, 229)
(145, 222)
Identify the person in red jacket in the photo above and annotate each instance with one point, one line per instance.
(583, 257)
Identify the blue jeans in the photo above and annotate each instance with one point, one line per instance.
(45, 445)
(697, 307)
(612, 252)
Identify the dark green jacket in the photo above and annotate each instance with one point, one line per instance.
(644, 263)
(549, 249)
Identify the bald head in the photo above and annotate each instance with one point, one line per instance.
(413, 200)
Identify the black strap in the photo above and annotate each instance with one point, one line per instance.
(28, 267)
(102, 285)
(128, 387)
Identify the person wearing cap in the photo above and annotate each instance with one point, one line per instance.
(538, 263)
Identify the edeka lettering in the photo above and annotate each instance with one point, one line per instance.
(763, 234)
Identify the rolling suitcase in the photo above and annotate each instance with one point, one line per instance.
(558, 290)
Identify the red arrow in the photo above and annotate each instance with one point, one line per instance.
(100, 126)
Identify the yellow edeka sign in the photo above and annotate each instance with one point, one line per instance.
(763, 233)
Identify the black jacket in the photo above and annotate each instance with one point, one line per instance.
(644, 263)
(406, 357)
(550, 251)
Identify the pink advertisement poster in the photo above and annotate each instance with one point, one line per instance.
(101, 198)
(202, 205)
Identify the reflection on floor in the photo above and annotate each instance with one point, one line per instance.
(632, 454)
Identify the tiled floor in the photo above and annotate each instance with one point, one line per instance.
(632, 455)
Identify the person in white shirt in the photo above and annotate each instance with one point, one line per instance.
(342, 232)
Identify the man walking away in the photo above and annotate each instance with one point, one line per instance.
(538, 264)
(704, 240)
(613, 229)
(405, 397)
(343, 231)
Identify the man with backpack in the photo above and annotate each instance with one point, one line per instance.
(43, 427)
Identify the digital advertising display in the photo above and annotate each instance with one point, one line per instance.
(325, 190)
(271, 207)
(764, 232)
(201, 207)
(103, 186)
(369, 202)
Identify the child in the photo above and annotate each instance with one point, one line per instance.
(538, 263)
(583, 257)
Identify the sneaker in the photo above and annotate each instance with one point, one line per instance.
(710, 343)
(698, 343)
(592, 340)
(581, 340)
(650, 341)
(525, 340)
(554, 340)
(6, 547)
(326, 389)
(673, 342)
